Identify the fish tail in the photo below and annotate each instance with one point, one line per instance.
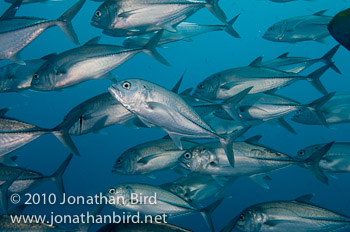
(327, 58)
(314, 79)
(230, 104)
(150, 48)
(313, 163)
(315, 107)
(64, 22)
(4, 191)
(227, 143)
(56, 177)
(214, 8)
(229, 29)
(62, 134)
(207, 211)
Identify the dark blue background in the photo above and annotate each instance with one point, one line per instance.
(210, 53)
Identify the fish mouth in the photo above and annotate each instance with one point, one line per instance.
(95, 24)
(185, 165)
(114, 91)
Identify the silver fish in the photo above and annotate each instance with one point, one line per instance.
(100, 112)
(150, 157)
(336, 160)
(145, 16)
(7, 225)
(155, 105)
(225, 84)
(288, 216)
(17, 32)
(15, 134)
(301, 28)
(15, 77)
(335, 111)
(196, 188)
(90, 61)
(252, 160)
(165, 202)
(297, 64)
(184, 31)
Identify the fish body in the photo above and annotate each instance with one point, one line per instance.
(225, 84)
(301, 28)
(336, 160)
(149, 157)
(335, 111)
(17, 32)
(290, 216)
(15, 77)
(145, 227)
(145, 16)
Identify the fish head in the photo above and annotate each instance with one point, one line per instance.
(276, 32)
(120, 195)
(103, 17)
(43, 78)
(250, 220)
(124, 164)
(304, 116)
(195, 159)
(208, 88)
(308, 151)
(130, 93)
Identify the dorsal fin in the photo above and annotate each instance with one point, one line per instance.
(11, 11)
(305, 198)
(176, 88)
(320, 13)
(253, 140)
(256, 62)
(284, 55)
(49, 56)
(93, 41)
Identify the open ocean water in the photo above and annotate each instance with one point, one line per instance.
(91, 173)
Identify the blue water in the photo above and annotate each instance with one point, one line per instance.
(209, 53)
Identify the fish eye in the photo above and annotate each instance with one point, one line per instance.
(119, 160)
(98, 13)
(201, 85)
(188, 155)
(126, 85)
(301, 153)
(111, 191)
(36, 76)
(241, 217)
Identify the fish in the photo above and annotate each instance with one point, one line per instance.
(155, 105)
(6, 172)
(17, 32)
(225, 84)
(165, 202)
(90, 61)
(17, 78)
(338, 27)
(297, 215)
(184, 31)
(265, 110)
(149, 157)
(28, 179)
(197, 189)
(301, 28)
(252, 160)
(335, 111)
(15, 134)
(336, 160)
(140, 16)
(135, 227)
(297, 64)
(99, 112)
